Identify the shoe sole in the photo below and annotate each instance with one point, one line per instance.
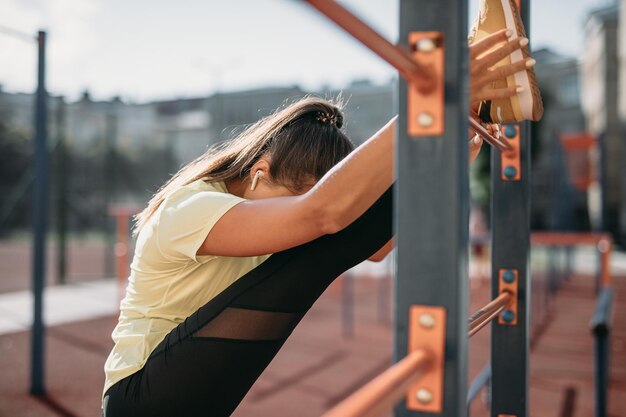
(530, 108)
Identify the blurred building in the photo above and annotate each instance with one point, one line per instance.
(187, 126)
(122, 152)
(556, 204)
(600, 98)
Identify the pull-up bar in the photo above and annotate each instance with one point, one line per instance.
(381, 393)
(395, 55)
(386, 389)
(482, 317)
(421, 76)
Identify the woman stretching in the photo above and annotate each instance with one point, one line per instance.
(207, 307)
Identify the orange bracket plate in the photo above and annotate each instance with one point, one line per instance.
(427, 330)
(426, 110)
(510, 167)
(512, 288)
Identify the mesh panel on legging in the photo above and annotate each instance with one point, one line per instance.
(248, 324)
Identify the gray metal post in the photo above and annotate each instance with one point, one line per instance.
(347, 305)
(62, 188)
(601, 323)
(510, 214)
(40, 212)
(432, 207)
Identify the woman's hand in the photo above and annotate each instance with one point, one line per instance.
(484, 55)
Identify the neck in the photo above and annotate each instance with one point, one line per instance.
(236, 187)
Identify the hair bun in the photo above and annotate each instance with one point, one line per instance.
(333, 119)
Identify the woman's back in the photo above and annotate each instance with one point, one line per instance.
(168, 281)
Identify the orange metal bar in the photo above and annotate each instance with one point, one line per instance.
(568, 239)
(380, 394)
(122, 214)
(605, 247)
(419, 376)
(497, 143)
(395, 55)
(121, 247)
(482, 317)
(421, 76)
(578, 141)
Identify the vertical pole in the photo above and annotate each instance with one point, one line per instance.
(601, 373)
(383, 298)
(110, 140)
(510, 202)
(61, 172)
(432, 209)
(347, 304)
(122, 217)
(40, 210)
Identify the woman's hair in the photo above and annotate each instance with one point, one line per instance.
(302, 140)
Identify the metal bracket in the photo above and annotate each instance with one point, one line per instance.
(426, 106)
(427, 330)
(508, 281)
(511, 166)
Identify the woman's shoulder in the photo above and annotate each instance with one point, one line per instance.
(199, 186)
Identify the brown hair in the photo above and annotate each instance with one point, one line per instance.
(303, 140)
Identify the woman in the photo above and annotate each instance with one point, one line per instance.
(206, 308)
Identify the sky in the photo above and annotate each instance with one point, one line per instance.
(145, 50)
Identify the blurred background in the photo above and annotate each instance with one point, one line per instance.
(137, 89)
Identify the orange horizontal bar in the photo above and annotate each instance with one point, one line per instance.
(393, 54)
(479, 319)
(578, 141)
(381, 393)
(124, 209)
(498, 143)
(568, 239)
(398, 57)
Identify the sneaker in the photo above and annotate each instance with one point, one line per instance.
(495, 15)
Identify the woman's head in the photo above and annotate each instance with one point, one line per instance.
(293, 148)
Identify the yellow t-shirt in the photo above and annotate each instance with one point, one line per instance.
(168, 282)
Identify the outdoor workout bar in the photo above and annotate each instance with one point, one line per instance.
(386, 389)
(381, 393)
(482, 317)
(396, 56)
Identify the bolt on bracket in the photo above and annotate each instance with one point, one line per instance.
(426, 100)
(508, 281)
(511, 166)
(427, 331)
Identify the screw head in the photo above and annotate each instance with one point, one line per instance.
(508, 276)
(510, 172)
(425, 45)
(427, 321)
(425, 119)
(510, 132)
(508, 316)
(424, 396)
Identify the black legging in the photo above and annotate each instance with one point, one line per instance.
(207, 364)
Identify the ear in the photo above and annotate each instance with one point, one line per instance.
(263, 165)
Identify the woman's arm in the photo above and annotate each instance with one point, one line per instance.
(256, 227)
(475, 145)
